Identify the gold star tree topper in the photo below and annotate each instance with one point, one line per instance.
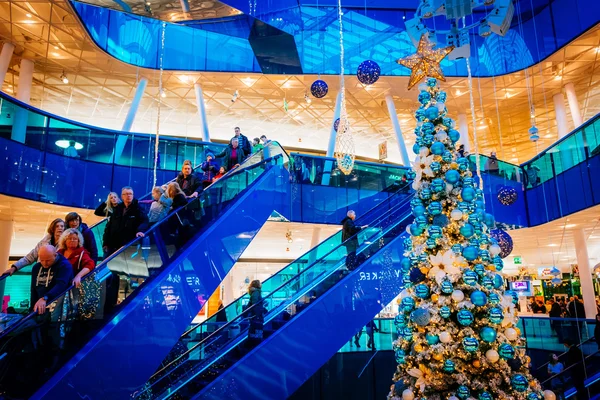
(426, 61)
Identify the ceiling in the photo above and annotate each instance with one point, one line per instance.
(100, 91)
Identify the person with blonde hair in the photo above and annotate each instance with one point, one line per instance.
(160, 205)
(71, 247)
(177, 196)
(106, 209)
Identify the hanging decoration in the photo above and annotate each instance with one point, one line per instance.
(368, 72)
(504, 241)
(507, 195)
(160, 91)
(425, 62)
(344, 146)
(319, 89)
(336, 124)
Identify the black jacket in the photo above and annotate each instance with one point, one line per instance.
(101, 210)
(243, 143)
(576, 309)
(178, 201)
(555, 311)
(190, 184)
(574, 357)
(348, 231)
(89, 241)
(50, 281)
(226, 155)
(124, 224)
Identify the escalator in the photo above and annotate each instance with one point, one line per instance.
(308, 315)
(77, 349)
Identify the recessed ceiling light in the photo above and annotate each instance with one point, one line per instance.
(552, 245)
(55, 47)
(28, 15)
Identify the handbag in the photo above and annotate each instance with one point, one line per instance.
(88, 296)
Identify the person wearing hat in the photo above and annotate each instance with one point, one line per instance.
(210, 168)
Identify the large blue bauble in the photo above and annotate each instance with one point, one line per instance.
(416, 148)
(487, 334)
(519, 383)
(432, 339)
(447, 157)
(431, 243)
(416, 275)
(400, 356)
(421, 222)
(463, 206)
(498, 263)
(468, 194)
(418, 210)
(435, 166)
(478, 298)
(484, 255)
(435, 232)
(469, 182)
(514, 295)
(489, 220)
(504, 241)
(319, 89)
(427, 128)
(457, 248)
(494, 298)
(498, 281)
(487, 283)
(463, 392)
(405, 264)
(435, 208)
(438, 148)
(454, 135)
(425, 194)
(422, 291)
(420, 114)
(441, 96)
(506, 351)
(467, 230)
(445, 312)
(470, 344)
(447, 122)
(485, 396)
(415, 230)
(452, 176)
(400, 321)
(420, 316)
(449, 367)
(507, 195)
(465, 317)
(447, 287)
(407, 333)
(441, 220)
(432, 113)
(463, 165)
(495, 315)
(470, 253)
(368, 72)
(424, 97)
(438, 185)
(470, 277)
(479, 269)
(408, 304)
(416, 202)
(427, 139)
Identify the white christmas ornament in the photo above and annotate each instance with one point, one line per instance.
(424, 151)
(495, 250)
(404, 294)
(445, 337)
(441, 136)
(511, 334)
(440, 106)
(549, 395)
(452, 398)
(423, 87)
(408, 395)
(456, 214)
(458, 296)
(492, 356)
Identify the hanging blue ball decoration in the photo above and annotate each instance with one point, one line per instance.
(468, 194)
(506, 351)
(400, 321)
(435, 232)
(424, 97)
(463, 206)
(504, 241)
(407, 333)
(452, 176)
(445, 312)
(457, 248)
(431, 243)
(498, 263)
(479, 269)
(465, 317)
(400, 356)
(519, 383)
(494, 298)
(470, 253)
(463, 392)
(427, 139)
(447, 122)
(431, 82)
(427, 128)
(467, 230)
(485, 396)
(368, 72)
(441, 97)
(484, 254)
(507, 195)
(420, 114)
(416, 148)
(478, 298)
(495, 315)
(416, 276)
(470, 344)
(498, 281)
(406, 281)
(534, 396)
(415, 201)
(435, 166)
(489, 220)
(447, 157)
(438, 148)
(454, 135)
(418, 210)
(432, 339)
(488, 334)
(408, 304)
(470, 277)
(426, 194)
(319, 89)
(449, 367)
(435, 208)
(420, 316)
(487, 283)
(415, 230)
(421, 222)
(447, 287)
(441, 220)
(514, 295)
(411, 175)
(422, 291)
(469, 182)
(432, 113)
(438, 185)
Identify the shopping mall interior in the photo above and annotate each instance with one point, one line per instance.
(300, 199)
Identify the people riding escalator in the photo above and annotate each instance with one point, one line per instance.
(73, 220)
(188, 181)
(106, 208)
(256, 313)
(350, 240)
(233, 155)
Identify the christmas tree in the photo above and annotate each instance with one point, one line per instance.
(457, 326)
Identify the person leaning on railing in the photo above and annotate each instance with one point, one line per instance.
(50, 277)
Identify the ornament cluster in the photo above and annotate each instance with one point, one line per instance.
(457, 326)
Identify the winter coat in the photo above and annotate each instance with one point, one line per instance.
(51, 281)
(89, 241)
(257, 147)
(102, 211)
(79, 259)
(349, 230)
(555, 311)
(32, 256)
(178, 201)
(257, 312)
(226, 155)
(576, 309)
(210, 168)
(190, 184)
(243, 143)
(159, 209)
(124, 224)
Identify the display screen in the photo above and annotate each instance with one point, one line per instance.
(520, 286)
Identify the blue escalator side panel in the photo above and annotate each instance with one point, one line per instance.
(284, 361)
(514, 214)
(134, 343)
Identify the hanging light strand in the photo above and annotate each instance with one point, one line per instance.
(160, 90)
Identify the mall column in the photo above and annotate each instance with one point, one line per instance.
(566, 158)
(202, 112)
(585, 274)
(394, 118)
(19, 129)
(135, 105)
(463, 128)
(332, 138)
(5, 57)
(573, 104)
(6, 233)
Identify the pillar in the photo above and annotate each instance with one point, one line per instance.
(6, 233)
(573, 104)
(463, 128)
(185, 6)
(585, 274)
(5, 57)
(561, 115)
(399, 137)
(128, 123)
(19, 129)
(202, 112)
(328, 166)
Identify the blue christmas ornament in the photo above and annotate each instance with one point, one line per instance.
(452, 176)
(468, 182)
(424, 97)
(507, 195)
(449, 367)
(411, 175)
(423, 257)
(470, 253)
(494, 298)
(418, 210)
(504, 241)
(420, 316)
(426, 194)
(406, 281)
(498, 281)
(427, 128)
(487, 283)
(441, 97)
(498, 263)
(431, 82)
(463, 164)
(470, 277)
(514, 295)
(533, 396)
(447, 122)
(438, 148)
(519, 383)
(415, 230)
(463, 206)
(432, 113)
(463, 392)
(421, 222)
(408, 304)
(484, 255)
(319, 89)
(487, 334)
(368, 72)
(427, 140)
(422, 291)
(506, 351)
(416, 202)
(489, 220)
(468, 194)
(495, 315)
(400, 321)
(430, 243)
(454, 135)
(474, 218)
(465, 317)
(416, 276)
(416, 148)
(407, 333)
(435, 208)
(484, 240)
(432, 339)
(485, 396)
(479, 269)
(438, 185)
(447, 157)
(435, 232)
(447, 287)
(400, 356)
(420, 114)
(470, 344)
(435, 166)
(441, 220)
(467, 230)
(405, 264)
(457, 248)
(445, 312)
(478, 298)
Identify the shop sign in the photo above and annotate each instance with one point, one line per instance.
(517, 260)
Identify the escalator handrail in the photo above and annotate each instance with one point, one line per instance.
(105, 262)
(570, 366)
(565, 352)
(263, 300)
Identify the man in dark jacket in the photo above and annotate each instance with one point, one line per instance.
(127, 222)
(244, 143)
(576, 308)
(73, 220)
(50, 277)
(233, 155)
(188, 181)
(349, 238)
(556, 312)
(574, 361)
(210, 168)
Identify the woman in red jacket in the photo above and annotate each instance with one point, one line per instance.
(71, 246)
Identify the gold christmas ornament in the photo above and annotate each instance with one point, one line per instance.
(438, 356)
(476, 363)
(425, 62)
